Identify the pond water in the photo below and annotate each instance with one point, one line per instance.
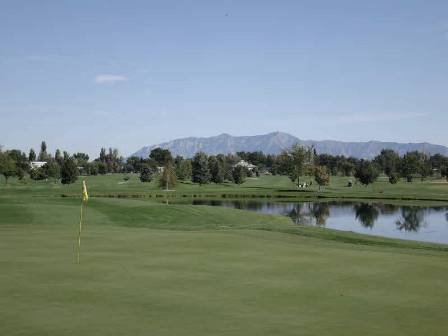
(396, 221)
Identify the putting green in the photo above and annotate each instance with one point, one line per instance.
(214, 272)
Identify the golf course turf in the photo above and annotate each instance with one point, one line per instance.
(148, 268)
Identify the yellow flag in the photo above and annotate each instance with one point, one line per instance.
(85, 195)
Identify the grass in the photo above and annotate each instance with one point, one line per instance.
(148, 268)
(113, 185)
(151, 268)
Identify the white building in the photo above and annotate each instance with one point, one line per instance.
(245, 164)
(37, 164)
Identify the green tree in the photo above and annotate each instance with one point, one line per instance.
(103, 154)
(239, 174)
(58, 156)
(21, 162)
(32, 155)
(216, 167)
(135, 163)
(69, 171)
(321, 176)
(52, 169)
(102, 168)
(7, 166)
(389, 161)
(168, 179)
(93, 168)
(300, 162)
(228, 163)
(394, 178)
(43, 155)
(347, 168)
(81, 158)
(200, 170)
(161, 156)
(146, 174)
(412, 164)
(444, 172)
(183, 168)
(38, 174)
(367, 172)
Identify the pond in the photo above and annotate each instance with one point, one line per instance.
(428, 224)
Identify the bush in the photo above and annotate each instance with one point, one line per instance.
(146, 175)
(367, 172)
(38, 174)
(394, 178)
(69, 171)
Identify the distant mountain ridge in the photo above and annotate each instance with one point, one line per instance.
(274, 143)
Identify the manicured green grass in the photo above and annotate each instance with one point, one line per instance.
(113, 185)
(154, 269)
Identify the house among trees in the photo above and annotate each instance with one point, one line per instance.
(37, 164)
(245, 164)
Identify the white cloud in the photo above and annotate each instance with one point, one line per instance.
(104, 79)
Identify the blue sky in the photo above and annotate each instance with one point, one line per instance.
(86, 74)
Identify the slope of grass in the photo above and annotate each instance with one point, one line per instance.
(156, 215)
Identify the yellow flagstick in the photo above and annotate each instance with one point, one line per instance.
(80, 229)
(84, 198)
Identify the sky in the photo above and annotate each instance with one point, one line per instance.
(87, 74)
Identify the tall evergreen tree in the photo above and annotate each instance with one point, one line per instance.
(216, 167)
(43, 155)
(200, 170)
(103, 154)
(32, 155)
(58, 156)
(239, 174)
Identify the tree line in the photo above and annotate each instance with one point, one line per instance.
(295, 162)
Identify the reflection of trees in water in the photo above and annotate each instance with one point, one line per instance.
(297, 214)
(320, 212)
(366, 213)
(412, 219)
(308, 213)
(387, 209)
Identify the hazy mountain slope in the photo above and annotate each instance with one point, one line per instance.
(273, 143)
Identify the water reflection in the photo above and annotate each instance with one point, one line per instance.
(320, 212)
(366, 214)
(412, 219)
(408, 222)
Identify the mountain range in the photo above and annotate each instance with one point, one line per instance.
(274, 143)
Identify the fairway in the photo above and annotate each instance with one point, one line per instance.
(265, 186)
(150, 268)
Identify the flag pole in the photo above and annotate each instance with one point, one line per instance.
(80, 229)
(84, 198)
